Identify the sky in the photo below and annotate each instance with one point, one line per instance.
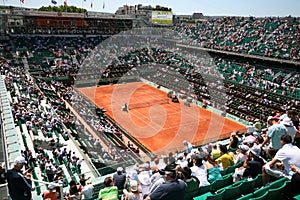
(259, 8)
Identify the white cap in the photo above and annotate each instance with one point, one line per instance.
(287, 121)
(120, 169)
(270, 118)
(51, 186)
(133, 185)
(20, 160)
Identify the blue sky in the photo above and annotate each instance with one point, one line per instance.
(207, 7)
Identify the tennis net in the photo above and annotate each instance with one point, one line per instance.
(148, 104)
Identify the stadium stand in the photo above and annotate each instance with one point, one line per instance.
(271, 37)
(51, 117)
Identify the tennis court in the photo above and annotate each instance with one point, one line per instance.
(154, 120)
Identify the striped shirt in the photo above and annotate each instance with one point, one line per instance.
(108, 193)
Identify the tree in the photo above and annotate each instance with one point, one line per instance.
(62, 8)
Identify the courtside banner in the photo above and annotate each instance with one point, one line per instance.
(162, 17)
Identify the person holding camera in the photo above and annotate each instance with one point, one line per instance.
(19, 184)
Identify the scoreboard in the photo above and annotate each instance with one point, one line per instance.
(164, 18)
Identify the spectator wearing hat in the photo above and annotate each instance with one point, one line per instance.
(252, 166)
(253, 163)
(289, 153)
(51, 193)
(275, 131)
(134, 192)
(110, 192)
(119, 178)
(242, 154)
(172, 189)
(19, 184)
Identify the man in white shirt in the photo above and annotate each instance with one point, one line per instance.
(87, 190)
(289, 153)
(291, 129)
(200, 171)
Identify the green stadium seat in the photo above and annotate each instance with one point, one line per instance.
(278, 183)
(218, 184)
(246, 197)
(297, 197)
(211, 196)
(247, 186)
(205, 189)
(257, 181)
(232, 192)
(277, 193)
(218, 196)
(263, 196)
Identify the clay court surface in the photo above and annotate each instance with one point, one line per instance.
(154, 120)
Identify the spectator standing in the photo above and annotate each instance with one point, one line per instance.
(250, 128)
(234, 141)
(87, 189)
(257, 125)
(291, 129)
(275, 131)
(188, 145)
(293, 114)
(119, 179)
(19, 184)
